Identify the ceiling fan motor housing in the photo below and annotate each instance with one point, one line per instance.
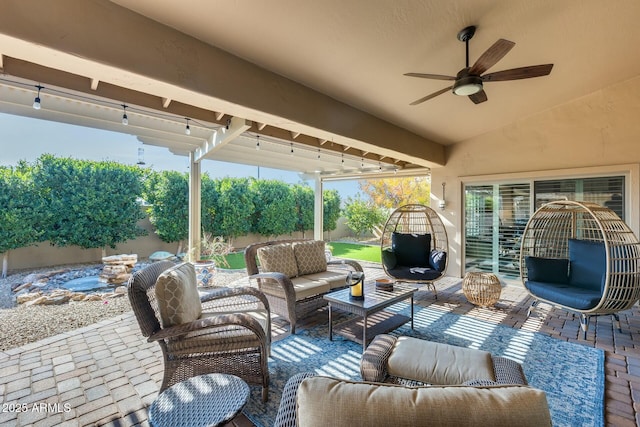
(467, 84)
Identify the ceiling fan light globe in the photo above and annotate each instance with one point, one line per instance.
(468, 85)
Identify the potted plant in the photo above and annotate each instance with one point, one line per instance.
(213, 251)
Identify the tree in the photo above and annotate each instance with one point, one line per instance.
(362, 216)
(331, 209)
(395, 192)
(21, 213)
(92, 204)
(304, 200)
(275, 208)
(168, 194)
(235, 208)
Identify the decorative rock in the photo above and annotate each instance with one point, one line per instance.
(92, 297)
(21, 287)
(21, 299)
(77, 296)
(160, 255)
(37, 301)
(56, 300)
(121, 290)
(117, 268)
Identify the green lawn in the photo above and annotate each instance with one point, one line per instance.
(340, 250)
(355, 251)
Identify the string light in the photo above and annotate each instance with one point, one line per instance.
(342, 165)
(291, 152)
(125, 119)
(258, 142)
(318, 154)
(36, 102)
(187, 130)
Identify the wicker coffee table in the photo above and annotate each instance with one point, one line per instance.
(205, 400)
(372, 319)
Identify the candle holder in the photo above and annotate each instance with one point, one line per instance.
(355, 281)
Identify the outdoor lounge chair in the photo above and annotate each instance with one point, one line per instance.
(414, 246)
(581, 257)
(230, 333)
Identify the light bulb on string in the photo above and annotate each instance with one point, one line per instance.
(187, 130)
(125, 119)
(36, 101)
(258, 143)
(291, 152)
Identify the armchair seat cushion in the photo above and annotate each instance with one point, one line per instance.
(177, 295)
(411, 249)
(401, 272)
(565, 294)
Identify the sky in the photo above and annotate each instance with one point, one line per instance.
(25, 138)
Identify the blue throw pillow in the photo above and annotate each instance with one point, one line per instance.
(412, 250)
(547, 270)
(588, 264)
(438, 260)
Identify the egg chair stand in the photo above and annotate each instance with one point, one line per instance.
(581, 257)
(414, 246)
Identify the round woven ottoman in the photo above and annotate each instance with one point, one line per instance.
(482, 289)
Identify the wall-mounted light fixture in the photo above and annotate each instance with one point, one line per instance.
(443, 203)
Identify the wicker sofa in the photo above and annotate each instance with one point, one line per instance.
(294, 275)
(427, 384)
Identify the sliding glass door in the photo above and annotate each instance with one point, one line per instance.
(496, 214)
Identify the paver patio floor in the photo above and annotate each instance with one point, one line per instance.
(107, 374)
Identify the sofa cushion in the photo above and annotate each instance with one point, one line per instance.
(310, 257)
(437, 363)
(411, 250)
(565, 294)
(587, 264)
(323, 401)
(278, 258)
(438, 260)
(548, 270)
(304, 288)
(335, 278)
(177, 295)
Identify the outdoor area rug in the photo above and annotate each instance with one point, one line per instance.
(572, 375)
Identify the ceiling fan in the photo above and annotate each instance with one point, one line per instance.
(469, 81)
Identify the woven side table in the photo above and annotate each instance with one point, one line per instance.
(205, 400)
(482, 289)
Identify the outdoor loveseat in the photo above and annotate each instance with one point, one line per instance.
(467, 387)
(294, 275)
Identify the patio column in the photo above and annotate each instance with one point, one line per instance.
(318, 210)
(194, 207)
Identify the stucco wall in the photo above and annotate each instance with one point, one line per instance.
(596, 134)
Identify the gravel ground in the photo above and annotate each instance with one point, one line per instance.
(25, 324)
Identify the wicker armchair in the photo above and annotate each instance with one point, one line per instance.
(225, 339)
(282, 290)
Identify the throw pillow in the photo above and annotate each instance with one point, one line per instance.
(438, 260)
(177, 294)
(547, 270)
(389, 259)
(310, 257)
(412, 250)
(278, 258)
(587, 261)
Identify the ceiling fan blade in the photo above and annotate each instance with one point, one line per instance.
(478, 97)
(433, 95)
(491, 56)
(519, 73)
(430, 76)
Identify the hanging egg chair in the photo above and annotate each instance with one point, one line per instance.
(581, 257)
(414, 245)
